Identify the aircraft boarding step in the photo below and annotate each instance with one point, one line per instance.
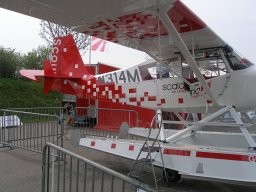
(136, 174)
(144, 163)
(139, 173)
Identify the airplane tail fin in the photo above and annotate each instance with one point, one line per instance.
(65, 64)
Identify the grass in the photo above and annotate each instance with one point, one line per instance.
(25, 94)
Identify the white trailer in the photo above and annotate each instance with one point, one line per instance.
(204, 154)
(228, 156)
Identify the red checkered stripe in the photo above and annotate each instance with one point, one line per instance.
(90, 88)
(109, 92)
(116, 94)
(138, 100)
(136, 25)
(143, 25)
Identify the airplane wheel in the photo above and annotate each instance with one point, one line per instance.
(172, 175)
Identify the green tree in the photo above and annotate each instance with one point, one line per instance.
(10, 61)
(35, 58)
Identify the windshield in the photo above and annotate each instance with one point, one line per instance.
(236, 61)
(209, 62)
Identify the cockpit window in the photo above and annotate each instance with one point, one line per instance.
(210, 63)
(154, 71)
(162, 71)
(148, 71)
(235, 60)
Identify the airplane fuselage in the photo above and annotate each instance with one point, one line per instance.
(153, 85)
(170, 94)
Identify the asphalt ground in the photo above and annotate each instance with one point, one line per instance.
(20, 171)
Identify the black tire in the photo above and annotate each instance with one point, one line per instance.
(172, 175)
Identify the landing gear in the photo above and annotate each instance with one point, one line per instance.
(172, 175)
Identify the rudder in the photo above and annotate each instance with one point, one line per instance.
(65, 59)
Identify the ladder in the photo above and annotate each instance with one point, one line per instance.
(144, 164)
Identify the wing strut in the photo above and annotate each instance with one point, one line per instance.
(184, 50)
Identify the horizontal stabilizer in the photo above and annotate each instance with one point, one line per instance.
(33, 75)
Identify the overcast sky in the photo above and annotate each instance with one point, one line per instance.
(233, 20)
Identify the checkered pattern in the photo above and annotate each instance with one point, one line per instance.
(113, 93)
(136, 25)
(98, 91)
(142, 25)
(117, 94)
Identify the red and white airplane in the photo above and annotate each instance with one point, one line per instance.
(193, 70)
(199, 70)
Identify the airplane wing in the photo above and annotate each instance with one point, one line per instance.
(161, 28)
(133, 23)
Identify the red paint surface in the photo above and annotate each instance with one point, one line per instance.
(113, 146)
(223, 156)
(131, 147)
(117, 117)
(132, 90)
(176, 152)
(180, 101)
(184, 19)
(93, 143)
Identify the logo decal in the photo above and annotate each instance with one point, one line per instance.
(252, 158)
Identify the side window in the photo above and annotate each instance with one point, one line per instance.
(162, 71)
(187, 73)
(148, 71)
(154, 71)
(210, 63)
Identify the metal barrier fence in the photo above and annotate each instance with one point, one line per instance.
(88, 117)
(30, 131)
(105, 122)
(65, 171)
(36, 126)
(2, 130)
(100, 122)
(60, 111)
(103, 117)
